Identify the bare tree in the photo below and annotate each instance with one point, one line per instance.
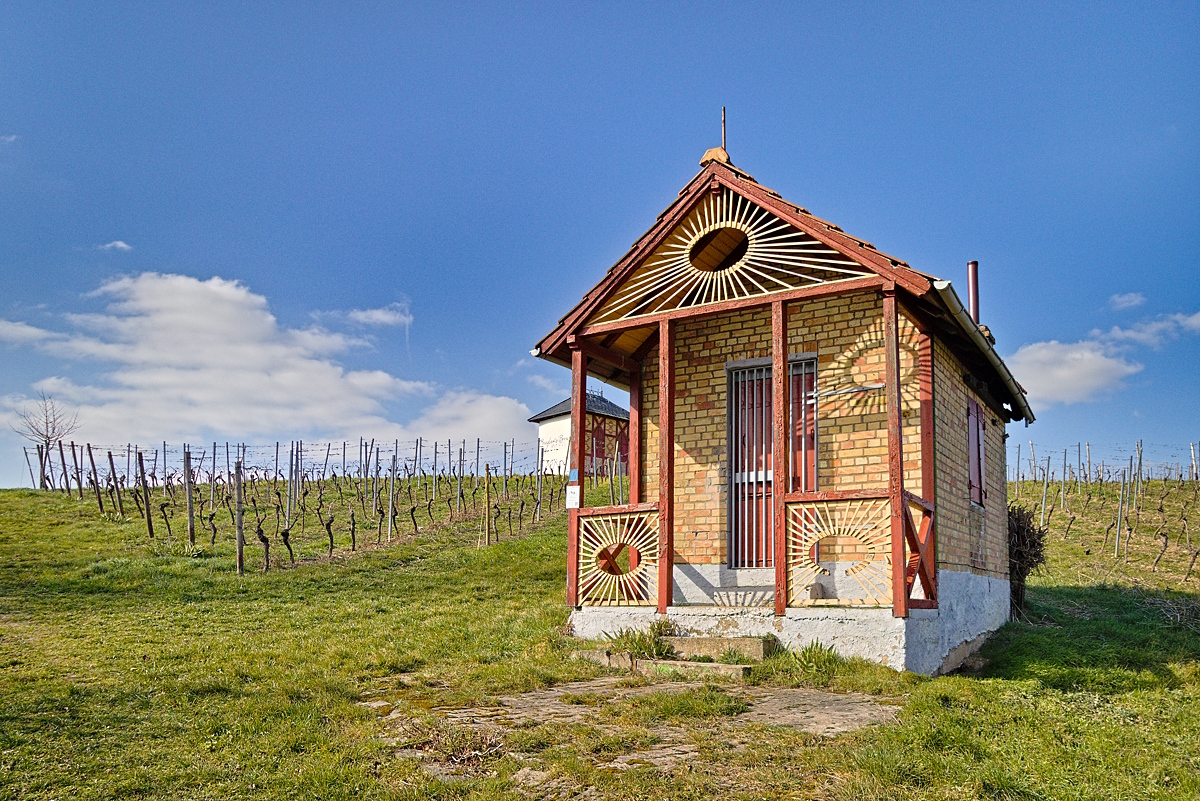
(46, 423)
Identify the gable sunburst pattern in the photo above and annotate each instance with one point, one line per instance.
(727, 248)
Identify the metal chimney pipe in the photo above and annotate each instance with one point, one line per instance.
(973, 289)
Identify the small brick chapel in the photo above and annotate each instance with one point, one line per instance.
(816, 437)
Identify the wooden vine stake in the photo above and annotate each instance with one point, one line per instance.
(487, 504)
(96, 480)
(237, 517)
(78, 472)
(145, 490)
(112, 469)
(187, 487)
(62, 459)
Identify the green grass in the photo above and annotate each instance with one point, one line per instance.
(131, 669)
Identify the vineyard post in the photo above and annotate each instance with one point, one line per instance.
(95, 479)
(1120, 508)
(275, 475)
(187, 487)
(622, 474)
(1079, 468)
(293, 481)
(487, 504)
(1018, 471)
(375, 482)
(1045, 486)
(41, 468)
(237, 518)
(30, 466)
(475, 475)
(116, 485)
(165, 469)
(66, 476)
(212, 482)
(1193, 449)
(1089, 462)
(79, 474)
(540, 457)
(343, 458)
(145, 490)
(435, 476)
(392, 491)
(1062, 490)
(458, 490)
(1138, 496)
(504, 472)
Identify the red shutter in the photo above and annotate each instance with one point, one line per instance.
(974, 453)
(982, 440)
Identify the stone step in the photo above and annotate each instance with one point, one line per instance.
(756, 648)
(651, 667)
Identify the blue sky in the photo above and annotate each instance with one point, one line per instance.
(337, 220)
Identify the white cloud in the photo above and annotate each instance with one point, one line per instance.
(8, 140)
(17, 333)
(1152, 333)
(1127, 300)
(1058, 372)
(541, 382)
(468, 414)
(1189, 322)
(392, 314)
(116, 244)
(182, 357)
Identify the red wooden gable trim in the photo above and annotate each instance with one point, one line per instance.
(709, 178)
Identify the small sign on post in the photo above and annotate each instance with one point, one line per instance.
(573, 496)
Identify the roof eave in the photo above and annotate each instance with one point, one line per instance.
(961, 316)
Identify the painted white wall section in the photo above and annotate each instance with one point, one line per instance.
(555, 435)
(930, 641)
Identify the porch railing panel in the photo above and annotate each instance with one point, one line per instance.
(618, 555)
(855, 526)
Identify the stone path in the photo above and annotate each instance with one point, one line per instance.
(812, 711)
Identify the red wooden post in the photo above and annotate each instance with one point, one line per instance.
(781, 449)
(635, 436)
(925, 377)
(666, 463)
(895, 454)
(575, 465)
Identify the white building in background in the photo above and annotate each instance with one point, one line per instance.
(607, 433)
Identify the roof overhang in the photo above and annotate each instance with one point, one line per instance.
(618, 348)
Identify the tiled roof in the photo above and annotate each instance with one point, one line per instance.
(596, 404)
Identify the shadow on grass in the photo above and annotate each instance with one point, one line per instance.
(1103, 639)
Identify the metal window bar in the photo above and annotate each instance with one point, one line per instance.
(751, 467)
(751, 455)
(803, 415)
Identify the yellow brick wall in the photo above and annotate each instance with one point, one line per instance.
(960, 546)
(846, 333)
(847, 336)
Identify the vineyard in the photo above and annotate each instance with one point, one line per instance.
(308, 501)
(1137, 523)
(139, 667)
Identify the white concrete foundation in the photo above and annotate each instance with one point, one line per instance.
(930, 641)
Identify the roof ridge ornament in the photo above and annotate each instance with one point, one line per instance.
(717, 154)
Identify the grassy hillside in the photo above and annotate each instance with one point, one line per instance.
(135, 669)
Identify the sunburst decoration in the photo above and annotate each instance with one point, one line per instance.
(602, 540)
(867, 521)
(727, 248)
